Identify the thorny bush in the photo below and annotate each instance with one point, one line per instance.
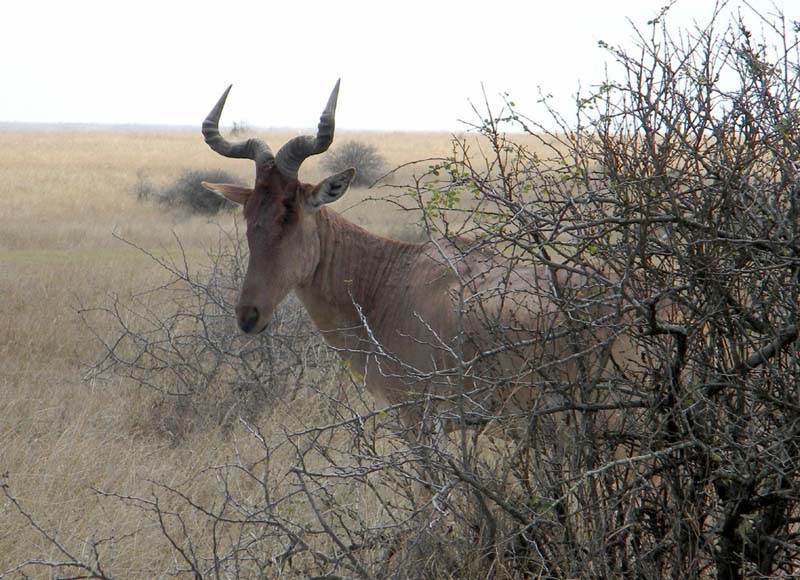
(180, 341)
(674, 197)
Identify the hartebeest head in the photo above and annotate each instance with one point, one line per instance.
(279, 211)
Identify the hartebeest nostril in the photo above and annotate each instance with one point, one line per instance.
(248, 318)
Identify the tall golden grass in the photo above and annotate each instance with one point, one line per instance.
(65, 198)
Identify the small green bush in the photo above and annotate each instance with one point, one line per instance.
(368, 163)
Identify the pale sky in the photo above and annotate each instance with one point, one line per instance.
(405, 65)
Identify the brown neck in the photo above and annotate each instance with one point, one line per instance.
(355, 267)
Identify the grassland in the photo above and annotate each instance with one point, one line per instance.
(66, 199)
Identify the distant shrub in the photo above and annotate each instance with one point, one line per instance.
(187, 194)
(240, 128)
(368, 163)
(144, 188)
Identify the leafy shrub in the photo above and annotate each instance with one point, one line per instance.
(187, 194)
(368, 163)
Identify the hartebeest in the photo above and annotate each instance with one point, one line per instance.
(408, 317)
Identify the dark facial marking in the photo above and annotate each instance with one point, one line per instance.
(271, 213)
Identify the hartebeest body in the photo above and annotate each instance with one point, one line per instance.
(412, 319)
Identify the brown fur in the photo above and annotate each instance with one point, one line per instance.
(427, 322)
(392, 308)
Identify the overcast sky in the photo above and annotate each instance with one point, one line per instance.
(405, 65)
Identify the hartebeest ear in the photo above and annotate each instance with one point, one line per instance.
(331, 188)
(235, 193)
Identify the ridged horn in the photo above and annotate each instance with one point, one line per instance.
(255, 149)
(291, 156)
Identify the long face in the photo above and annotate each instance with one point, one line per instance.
(283, 252)
(282, 237)
(279, 211)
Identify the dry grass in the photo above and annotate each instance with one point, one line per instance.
(63, 198)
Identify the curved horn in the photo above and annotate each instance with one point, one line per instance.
(292, 155)
(254, 149)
